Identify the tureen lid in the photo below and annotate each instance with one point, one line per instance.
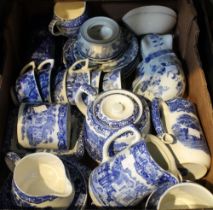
(117, 108)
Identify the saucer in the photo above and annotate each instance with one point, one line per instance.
(80, 184)
(128, 56)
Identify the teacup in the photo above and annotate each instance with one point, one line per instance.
(177, 124)
(112, 80)
(160, 74)
(26, 88)
(44, 126)
(40, 180)
(186, 195)
(100, 38)
(44, 71)
(59, 92)
(77, 77)
(108, 112)
(128, 177)
(68, 17)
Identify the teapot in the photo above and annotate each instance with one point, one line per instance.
(106, 113)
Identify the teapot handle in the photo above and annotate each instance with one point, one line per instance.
(48, 61)
(51, 27)
(27, 67)
(157, 123)
(90, 92)
(11, 159)
(114, 136)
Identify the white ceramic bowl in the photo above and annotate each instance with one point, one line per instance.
(150, 19)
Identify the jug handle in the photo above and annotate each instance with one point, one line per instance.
(48, 61)
(157, 123)
(88, 90)
(51, 27)
(27, 67)
(114, 136)
(11, 159)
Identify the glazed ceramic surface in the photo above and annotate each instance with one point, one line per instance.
(44, 71)
(79, 175)
(77, 77)
(32, 184)
(26, 88)
(160, 74)
(59, 92)
(68, 17)
(100, 38)
(187, 195)
(122, 61)
(108, 112)
(177, 124)
(150, 19)
(129, 176)
(112, 80)
(44, 126)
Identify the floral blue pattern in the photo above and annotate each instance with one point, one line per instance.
(26, 88)
(114, 183)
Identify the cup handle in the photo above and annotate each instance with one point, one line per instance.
(114, 136)
(158, 125)
(30, 65)
(11, 159)
(48, 61)
(51, 27)
(84, 68)
(88, 90)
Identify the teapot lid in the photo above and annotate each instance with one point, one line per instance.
(117, 108)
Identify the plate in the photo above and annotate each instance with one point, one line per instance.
(80, 183)
(130, 53)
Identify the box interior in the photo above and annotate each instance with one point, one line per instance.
(27, 17)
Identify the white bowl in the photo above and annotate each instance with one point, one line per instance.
(150, 19)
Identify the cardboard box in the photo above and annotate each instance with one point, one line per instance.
(26, 15)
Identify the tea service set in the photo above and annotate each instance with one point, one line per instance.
(146, 141)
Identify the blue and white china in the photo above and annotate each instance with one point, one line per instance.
(33, 185)
(186, 195)
(100, 38)
(77, 77)
(77, 172)
(95, 80)
(59, 92)
(44, 71)
(76, 148)
(112, 80)
(160, 74)
(126, 178)
(68, 57)
(44, 126)
(122, 61)
(68, 17)
(26, 88)
(177, 124)
(150, 19)
(108, 112)
(44, 47)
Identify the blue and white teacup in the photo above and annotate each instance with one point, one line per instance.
(176, 123)
(68, 17)
(186, 195)
(126, 178)
(40, 180)
(108, 112)
(59, 92)
(26, 87)
(77, 77)
(45, 126)
(44, 71)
